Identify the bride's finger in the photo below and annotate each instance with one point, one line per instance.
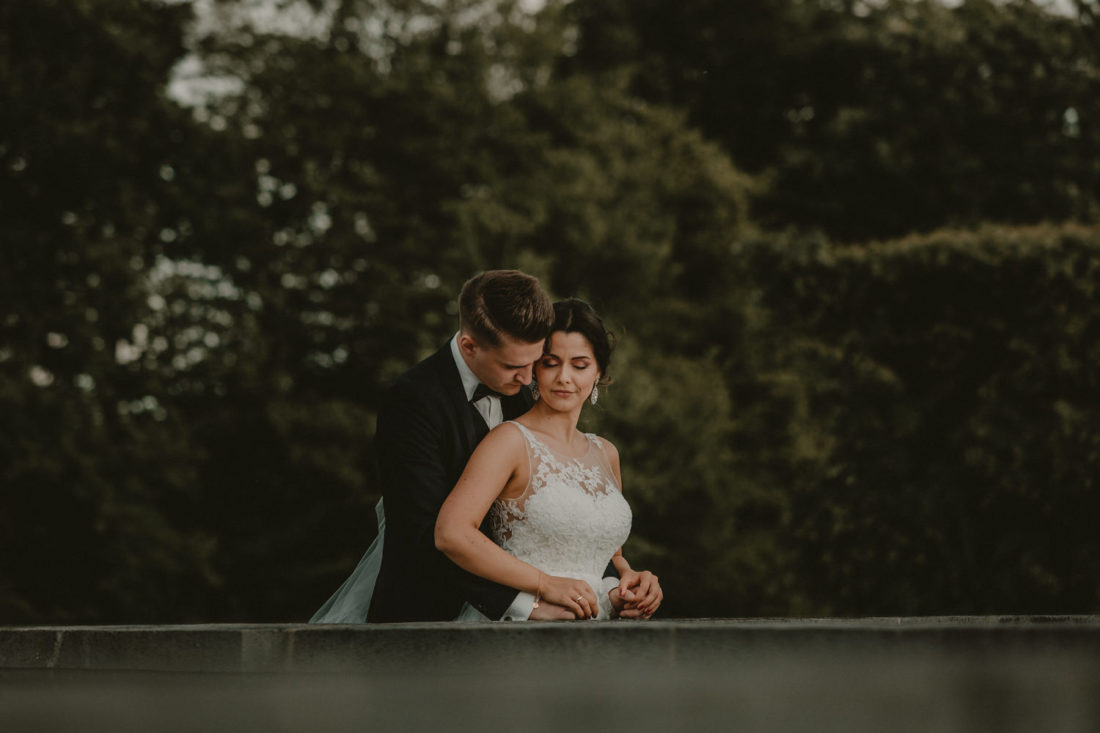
(587, 603)
(648, 590)
(632, 588)
(578, 596)
(650, 608)
(593, 600)
(576, 599)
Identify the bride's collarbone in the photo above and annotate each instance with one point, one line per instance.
(577, 447)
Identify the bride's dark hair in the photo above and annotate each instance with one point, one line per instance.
(573, 315)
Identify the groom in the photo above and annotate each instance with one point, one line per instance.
(431, 420)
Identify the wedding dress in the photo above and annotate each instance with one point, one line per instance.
(350, 602)
(568, 522)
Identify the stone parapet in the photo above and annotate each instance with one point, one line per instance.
(267, 648)
(903, 675)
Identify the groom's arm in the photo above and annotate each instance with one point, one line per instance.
(414, 438)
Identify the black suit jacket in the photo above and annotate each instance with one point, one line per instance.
(426, 433)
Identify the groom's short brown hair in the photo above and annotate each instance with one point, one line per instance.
(504, 301)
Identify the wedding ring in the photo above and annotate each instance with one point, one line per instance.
(578, 598)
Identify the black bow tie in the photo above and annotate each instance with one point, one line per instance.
(483, 391)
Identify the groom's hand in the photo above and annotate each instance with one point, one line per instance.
(547, 611)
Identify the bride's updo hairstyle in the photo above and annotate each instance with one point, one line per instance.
(573, 315)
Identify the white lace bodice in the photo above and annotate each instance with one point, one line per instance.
(571, 518)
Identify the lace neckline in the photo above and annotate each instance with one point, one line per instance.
(531, 434)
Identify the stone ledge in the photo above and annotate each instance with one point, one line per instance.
(368, 648)
(997, 674)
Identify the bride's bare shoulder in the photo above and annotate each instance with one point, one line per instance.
(507, 443)
(612, 454)
(610, 449)
(503, 439)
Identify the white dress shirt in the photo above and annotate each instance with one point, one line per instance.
(490, 408)
(489, 405)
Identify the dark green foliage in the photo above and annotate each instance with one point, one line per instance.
(92, 467)
(940, 417)
(868, 119)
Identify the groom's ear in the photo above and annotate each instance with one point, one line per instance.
(467, 344)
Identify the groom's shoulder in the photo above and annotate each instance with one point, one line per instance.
(425, 377)
(428, 370)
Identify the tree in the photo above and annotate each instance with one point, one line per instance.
(873, 120)
(937, 447)
(93, 467)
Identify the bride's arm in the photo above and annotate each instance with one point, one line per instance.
(638, 594)
(492, 470)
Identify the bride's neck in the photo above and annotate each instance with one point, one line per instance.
(561, 426)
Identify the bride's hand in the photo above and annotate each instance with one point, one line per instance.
(576, 595)
(639, 594)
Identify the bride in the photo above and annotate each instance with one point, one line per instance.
(553, 494)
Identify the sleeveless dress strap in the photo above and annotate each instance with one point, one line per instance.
(526, 433)
(595, 440)
(528, 439)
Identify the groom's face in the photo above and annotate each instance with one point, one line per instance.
(504, 368)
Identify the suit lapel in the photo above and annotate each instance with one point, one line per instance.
(517, 404)
(473, 427)
(456, 397)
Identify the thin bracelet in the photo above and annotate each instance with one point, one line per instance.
(538, 590)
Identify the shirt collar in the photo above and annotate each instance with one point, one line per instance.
(465, 373)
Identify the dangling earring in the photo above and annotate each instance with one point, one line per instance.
(535, 390)
(595, 394)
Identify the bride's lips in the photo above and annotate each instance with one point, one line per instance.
(562, 392)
